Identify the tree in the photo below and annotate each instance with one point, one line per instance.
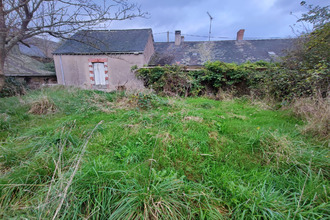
(310, 58)
(315, 46)
(23, 19)
(316, 15)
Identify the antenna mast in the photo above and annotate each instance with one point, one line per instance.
(211, 18)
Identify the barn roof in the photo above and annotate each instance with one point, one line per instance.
(19, 64)
(230, 51)
(31, 50)
(106, 42)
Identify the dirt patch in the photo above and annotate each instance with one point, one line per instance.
(234, 116)
(193, 118)
(165, 137)
(101, 103)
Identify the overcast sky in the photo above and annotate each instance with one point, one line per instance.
(259, 18)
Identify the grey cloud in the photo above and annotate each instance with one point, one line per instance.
(261, 19)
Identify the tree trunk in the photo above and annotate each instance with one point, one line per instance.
(2, 67)
(3, 34)
(2, 72)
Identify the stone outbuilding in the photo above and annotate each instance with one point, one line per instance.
(23, 63)
(103, 59)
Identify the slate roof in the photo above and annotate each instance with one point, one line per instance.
(18, 64)
(32, 51)
(106, 42)
(231, 51)
(46, 46)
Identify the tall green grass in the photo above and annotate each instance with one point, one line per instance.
(157, 158)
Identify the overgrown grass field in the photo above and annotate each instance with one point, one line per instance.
(75, 154)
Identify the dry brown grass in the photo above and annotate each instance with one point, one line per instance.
(193, 118)
(42, 106)
(266, 103)
(235, 116)
(130, 99)
(4, 117)
(101, 103)
(125, 103)
(165, 137)
(316, 112)
(278, 149)
(225, 95)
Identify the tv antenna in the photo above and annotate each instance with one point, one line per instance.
(211, 18)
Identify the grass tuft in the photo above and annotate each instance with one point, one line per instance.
(316, 112)
(42, 106)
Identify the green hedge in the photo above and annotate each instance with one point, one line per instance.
(264, 78)
(214, 76)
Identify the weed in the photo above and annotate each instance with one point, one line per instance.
(13, 87)
(4, 122)
(277, 149)
(316, 112)
(42, 106)
(141, 101)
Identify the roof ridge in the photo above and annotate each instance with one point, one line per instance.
(136, 29)
(228, 40)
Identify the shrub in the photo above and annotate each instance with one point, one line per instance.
(310, 58)
(168, 80)
(13, 87)
(213, 77)
(50, 66)
(283, 83)
(222, 75)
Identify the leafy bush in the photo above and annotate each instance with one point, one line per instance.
(168, 80)
(309, 61)
(13, 87)
(214, 76)
(50, 66)
(286, 84)
(219, 75)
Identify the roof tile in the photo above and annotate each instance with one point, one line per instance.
(106, 41)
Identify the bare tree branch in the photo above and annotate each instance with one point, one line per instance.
(23, 19)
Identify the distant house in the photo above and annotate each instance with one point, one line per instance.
(23, 63)
(32, 51)
(230, 51)
(46, 45)
(39, 48)
(103, 59)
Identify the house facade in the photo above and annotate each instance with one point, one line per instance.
(103, 59)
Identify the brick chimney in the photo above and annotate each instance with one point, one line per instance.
(240, 34)
(182, 39)
(177, 38)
